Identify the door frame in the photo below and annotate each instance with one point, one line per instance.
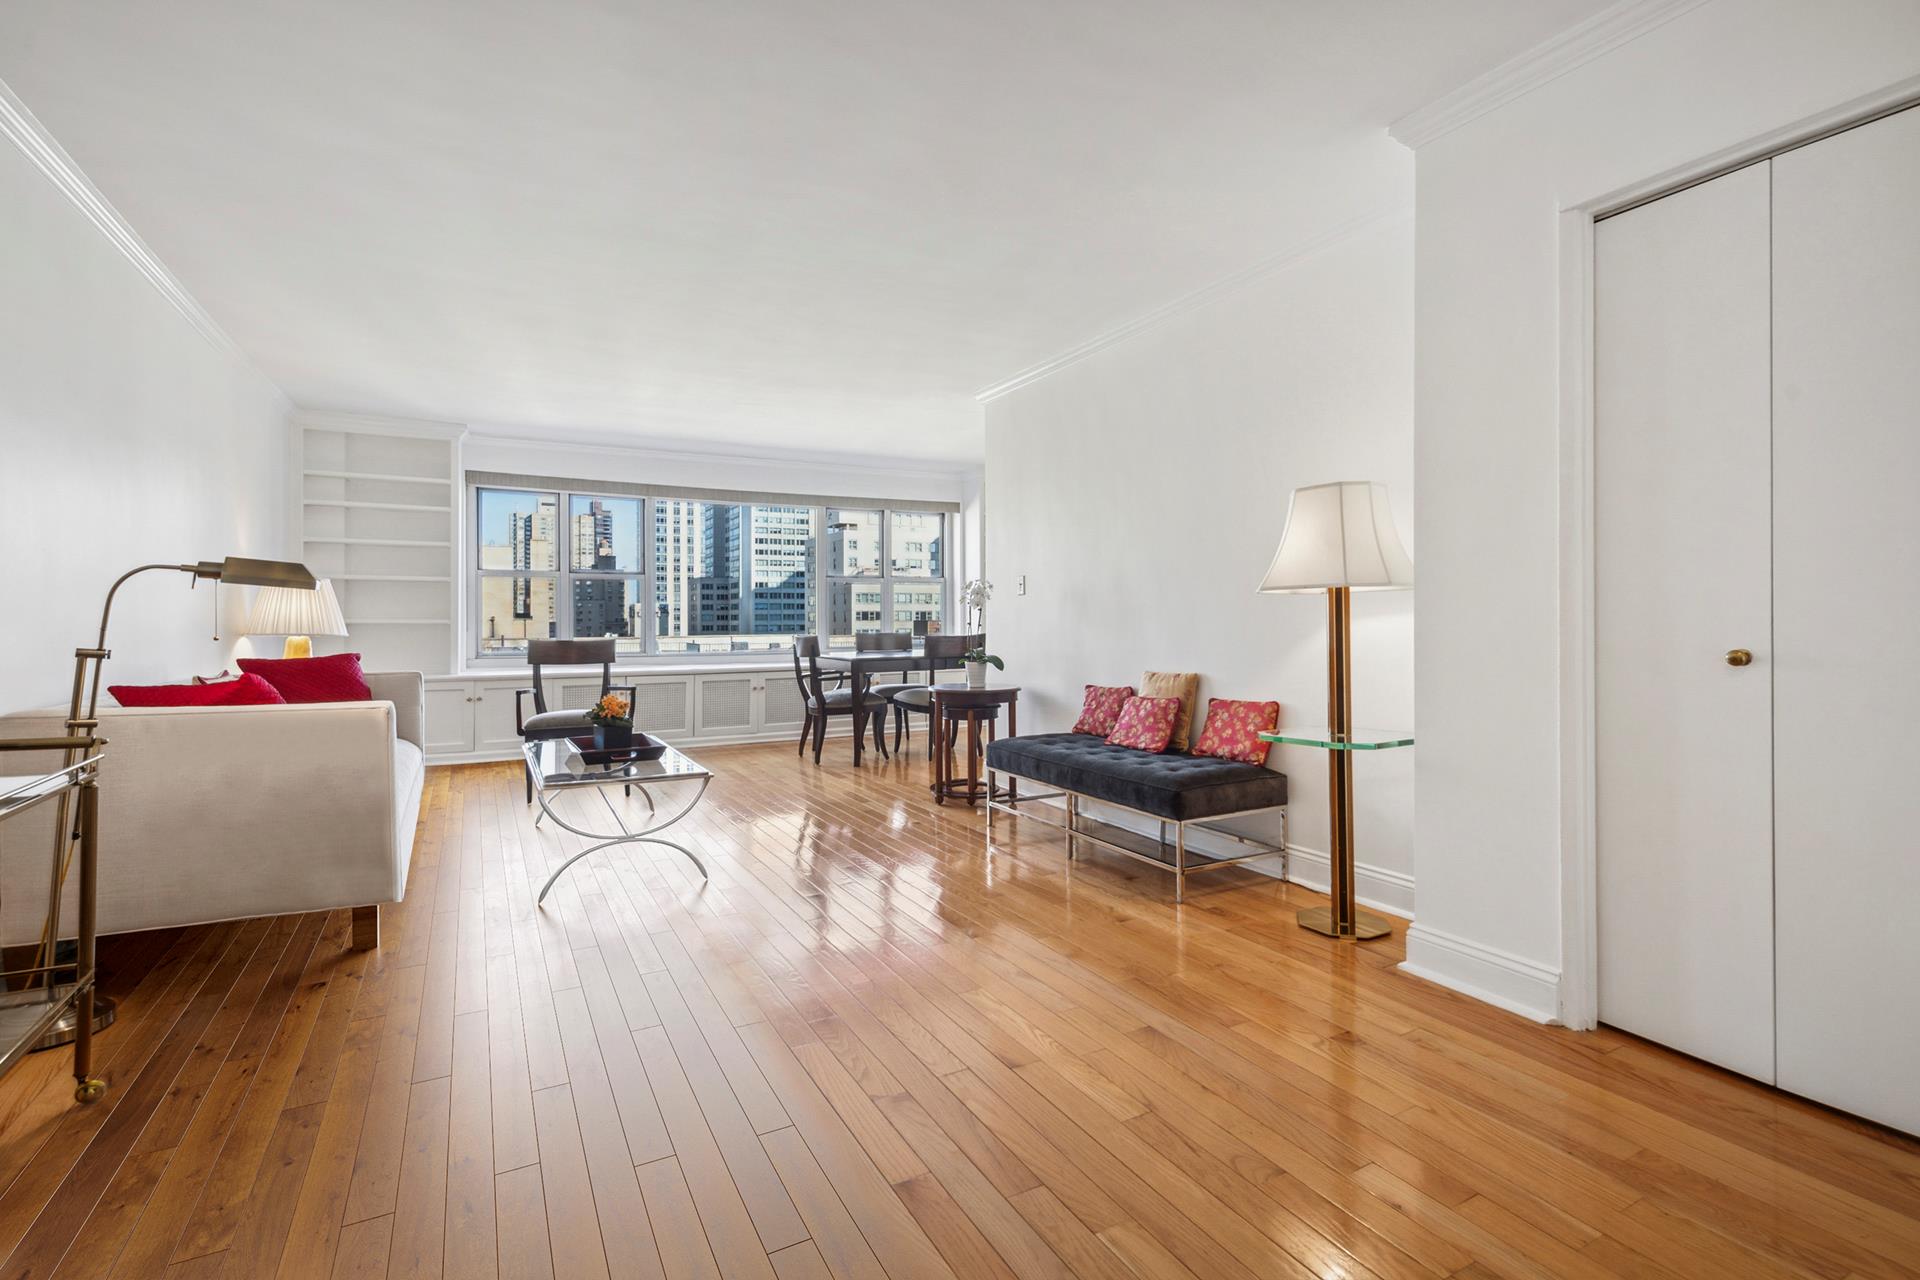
(1579, 1001)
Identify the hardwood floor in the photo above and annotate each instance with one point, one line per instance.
(870, 1048)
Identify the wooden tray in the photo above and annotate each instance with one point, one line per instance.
(645, 747)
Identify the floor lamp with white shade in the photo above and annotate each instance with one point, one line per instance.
(1340, 538)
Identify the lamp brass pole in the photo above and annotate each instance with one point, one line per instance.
(1343, 918)
(83, 726)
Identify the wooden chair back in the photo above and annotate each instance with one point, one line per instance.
(807, 677)
(948, 649)
(569, 653)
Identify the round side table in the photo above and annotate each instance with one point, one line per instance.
(958, 709)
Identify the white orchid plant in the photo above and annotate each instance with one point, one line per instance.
(976, 594)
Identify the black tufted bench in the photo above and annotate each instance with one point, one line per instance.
(1173, 787)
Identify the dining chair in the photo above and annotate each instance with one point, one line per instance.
(544, 725)
(917, 699)
(883, 642)
(822, 703)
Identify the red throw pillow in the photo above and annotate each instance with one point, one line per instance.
(1234, 728)
(1146, 723)
(1101, 709)
(247, 691)
(334, 678)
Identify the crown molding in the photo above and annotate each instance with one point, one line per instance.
(25, 131)
(1546, 61)
(826, 464)
(1193, 301)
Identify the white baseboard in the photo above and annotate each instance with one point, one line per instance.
(1498, 977)
(1381, 888)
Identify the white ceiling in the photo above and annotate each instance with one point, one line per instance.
(788, 224)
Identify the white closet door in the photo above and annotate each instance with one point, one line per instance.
(1682, 526)
(1847, 617)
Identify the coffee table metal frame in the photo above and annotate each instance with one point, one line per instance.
(673, 767)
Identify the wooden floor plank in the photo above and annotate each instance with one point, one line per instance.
(573, 1222)
(868, 1047)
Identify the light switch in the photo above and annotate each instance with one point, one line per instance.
(1020, 588)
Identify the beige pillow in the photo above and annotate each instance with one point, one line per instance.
(1184, 685)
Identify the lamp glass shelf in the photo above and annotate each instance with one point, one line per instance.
(1355, 740)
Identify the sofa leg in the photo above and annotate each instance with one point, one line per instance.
(366, 928)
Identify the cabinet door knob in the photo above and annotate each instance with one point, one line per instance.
(1739, 657)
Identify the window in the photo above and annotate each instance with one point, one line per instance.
(915, 540)
(731, 577)
(604, 592)
(682, 576)
(519, 564)
(895, 584)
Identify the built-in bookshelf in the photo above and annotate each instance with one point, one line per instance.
(379, 516)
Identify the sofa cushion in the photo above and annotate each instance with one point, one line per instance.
(1170, 785)
(551, 721)
(1145, 724)
(247, 691)
(1233, 730)
(334, 678)
(1184, 685)
(1100, 708)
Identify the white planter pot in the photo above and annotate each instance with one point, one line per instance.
(976, 675)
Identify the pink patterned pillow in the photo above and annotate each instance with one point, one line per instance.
(1234, 728)
(1146, 723)
(1101, 710)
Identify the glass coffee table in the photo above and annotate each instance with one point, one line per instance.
(559, 766)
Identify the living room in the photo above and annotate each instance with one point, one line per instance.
(684, 640)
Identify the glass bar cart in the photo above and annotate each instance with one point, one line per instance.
(36, 1002)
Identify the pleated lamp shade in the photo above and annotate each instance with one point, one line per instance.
(1339, 535)
(288, 611)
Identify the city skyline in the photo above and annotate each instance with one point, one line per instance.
(715, 576)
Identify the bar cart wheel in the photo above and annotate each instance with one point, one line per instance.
(90, 1089)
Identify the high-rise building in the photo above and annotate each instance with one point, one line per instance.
(599, 604)
(758, 562)
(679, 561)
(531, 541)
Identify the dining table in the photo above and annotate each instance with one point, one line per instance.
(862, 666)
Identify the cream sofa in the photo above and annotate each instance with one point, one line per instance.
(220, 813)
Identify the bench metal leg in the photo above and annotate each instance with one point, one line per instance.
(1179, 862)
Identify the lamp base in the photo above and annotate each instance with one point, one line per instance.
(297, 647)
(1366, 925)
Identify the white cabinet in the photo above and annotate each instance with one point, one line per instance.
(449, 730)
(495, 730)
(474, 719)
(726, 705)
(663, 705)
(780, 704)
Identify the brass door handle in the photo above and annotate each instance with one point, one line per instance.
(1739, 657)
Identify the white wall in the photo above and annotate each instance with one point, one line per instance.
(1142, 491)
(126, 436)
(1488, 459)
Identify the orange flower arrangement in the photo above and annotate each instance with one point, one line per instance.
(611, 709)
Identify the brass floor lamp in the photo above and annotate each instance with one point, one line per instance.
(1339, 539)
(83, 721)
